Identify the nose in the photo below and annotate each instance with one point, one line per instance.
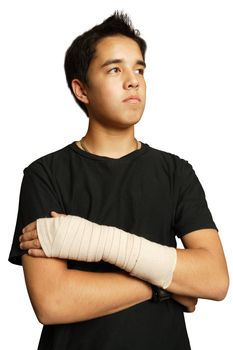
(131, 81)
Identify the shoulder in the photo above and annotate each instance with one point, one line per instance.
(49, 162)
(169, 161)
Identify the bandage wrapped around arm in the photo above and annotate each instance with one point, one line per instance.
(75, 238)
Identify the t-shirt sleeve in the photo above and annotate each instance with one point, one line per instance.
(192, 211)
(37, 199)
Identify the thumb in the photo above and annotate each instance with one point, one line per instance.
(54, 214)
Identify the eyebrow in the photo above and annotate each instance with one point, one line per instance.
(118, 60)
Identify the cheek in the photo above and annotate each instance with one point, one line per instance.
(108, 95)
(143, 84)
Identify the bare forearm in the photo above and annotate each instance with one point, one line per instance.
(188, 303)
(98, 294)
(200, 269)
(199, 274)
(59, 295)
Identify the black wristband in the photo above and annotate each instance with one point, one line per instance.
(159, 294)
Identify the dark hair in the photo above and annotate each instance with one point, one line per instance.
(80, 53)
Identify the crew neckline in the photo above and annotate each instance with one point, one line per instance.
(133, 154)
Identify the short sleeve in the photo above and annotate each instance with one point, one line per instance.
(37, 199)
(192, 211)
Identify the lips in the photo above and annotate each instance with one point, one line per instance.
(132, 99)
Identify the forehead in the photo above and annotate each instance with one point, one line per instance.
(118, 46)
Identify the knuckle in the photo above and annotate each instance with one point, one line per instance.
(36, 243)
(22, 239)
(192, 309)
(35, 252)
(26, 237)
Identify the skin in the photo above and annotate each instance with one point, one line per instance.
(29, 241)
(59, 295)
(111, 120)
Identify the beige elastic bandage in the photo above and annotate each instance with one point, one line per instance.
(75, 238)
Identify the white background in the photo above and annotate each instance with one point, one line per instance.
(189, 113)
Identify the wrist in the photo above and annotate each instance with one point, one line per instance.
(159, 294)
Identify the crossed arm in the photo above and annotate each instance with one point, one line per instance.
(77, 295)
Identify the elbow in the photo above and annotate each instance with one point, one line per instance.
(52, 311)
(221, 288)
(47, 312)
(45, 318)
(44, 315)
(223, 291)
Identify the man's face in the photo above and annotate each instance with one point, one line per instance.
(114, 75)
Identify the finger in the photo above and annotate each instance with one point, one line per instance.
(195, 301)
(55, 214)
(28, 236)
(192, 306)
(30, 244)
(39, 253)
(186, 301)
(29, 227)
(190, 309)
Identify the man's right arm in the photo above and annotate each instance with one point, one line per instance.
(61, 295)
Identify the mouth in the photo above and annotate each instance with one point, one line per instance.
(132, 99)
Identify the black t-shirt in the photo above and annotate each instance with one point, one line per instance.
(148, 192)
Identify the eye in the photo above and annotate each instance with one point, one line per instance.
(114, 70)
(140, 71)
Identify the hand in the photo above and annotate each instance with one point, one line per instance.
(29, 239)
(189, 303)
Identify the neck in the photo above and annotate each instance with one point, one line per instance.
(113, 143)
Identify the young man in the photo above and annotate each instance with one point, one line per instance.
(123, 203)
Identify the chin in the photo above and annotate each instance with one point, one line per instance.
(128, 122)
(135, 118)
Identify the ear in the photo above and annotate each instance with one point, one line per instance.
(79, 90)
